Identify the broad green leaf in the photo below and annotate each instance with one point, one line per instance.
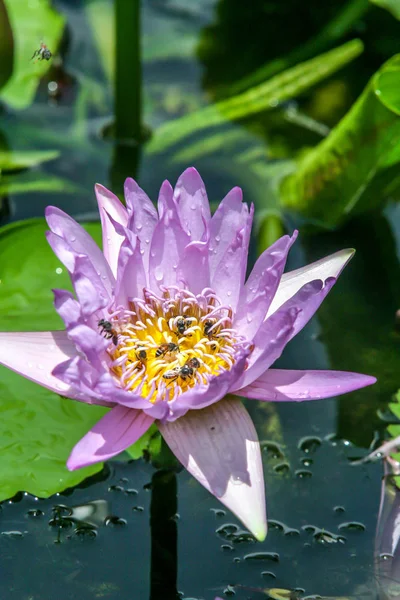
(34, 181)
(355, 168)
(347, 15)
(6, 46)
(393, 6)
(266, 96)
(13, 160)
(31, 23)
(37, 428)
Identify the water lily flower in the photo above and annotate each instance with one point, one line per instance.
(164, 328)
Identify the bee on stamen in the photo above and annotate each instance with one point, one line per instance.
(181, 324)
(141, 355)
(184, 372)
(168, 348)
(109, 332)
(207, 328)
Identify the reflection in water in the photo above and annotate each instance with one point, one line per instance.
(163, 515)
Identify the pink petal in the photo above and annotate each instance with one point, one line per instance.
(282, 385)
(261, 286)
(219, 447)
(116, 431)
(167, 246)
(35, 354)
(330, 266)
(228, 277)
(193, 269)
(80, 242)
(194, 209)
(231, 216)
(143, 216)
(109, 204)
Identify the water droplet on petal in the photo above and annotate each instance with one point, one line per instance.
(229, 293)
(141, 251)
(72, 239)
(158, 274)
(139, 226)
(218, 239)
(41, 367)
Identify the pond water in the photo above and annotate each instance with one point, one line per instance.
(131, 531)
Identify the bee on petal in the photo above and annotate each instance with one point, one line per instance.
(106, 328)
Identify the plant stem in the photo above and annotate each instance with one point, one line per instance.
(128, 72)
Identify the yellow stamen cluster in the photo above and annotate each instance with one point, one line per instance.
(164, 345)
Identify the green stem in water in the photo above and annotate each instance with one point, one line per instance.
(128, 72)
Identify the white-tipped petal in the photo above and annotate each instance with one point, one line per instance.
(219, 446)
(330, 266)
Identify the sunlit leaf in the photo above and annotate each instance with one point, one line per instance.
(31, 23)
(355, 168)
(34, 181)
(266, 96)
(14, 160)
(393, 6)
(37, 428)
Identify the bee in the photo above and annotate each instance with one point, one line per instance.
(207, 327)
(164, 349)
(43, 53)
(108, 331)
(141, 355)
(184, 372)
(181, 324)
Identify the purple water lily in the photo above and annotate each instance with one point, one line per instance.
(163, 326)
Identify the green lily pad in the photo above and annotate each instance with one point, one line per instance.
(31, 23)
(38, 429)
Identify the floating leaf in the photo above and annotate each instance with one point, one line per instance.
(31, 22)
(393, 6)
(264, 97)
(355, 168)
(37, 428)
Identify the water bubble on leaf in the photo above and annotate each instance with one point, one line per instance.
(114, 521)
(34, 512)
(283, 468)
(273, 450)
(309, 444)
(218, 512)
(292, 532)
(352, 526)
(268, 575)
(303, 474)
(307, 462)
(237, 559)
(137, 508)
(339, 509)
(263, 556)
(85, 533)
(131, 491)
(227, 530)
(12, 534)
(116, 488)
(272, 524)
(226, 548)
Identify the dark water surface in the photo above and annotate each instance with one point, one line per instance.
(154, 534)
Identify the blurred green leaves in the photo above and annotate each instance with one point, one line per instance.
(355, 168)
(37, 428)
(31, 22)
(6, 46)
(393, 6)
(266, 96)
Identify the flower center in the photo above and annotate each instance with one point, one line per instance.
(161, 346)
